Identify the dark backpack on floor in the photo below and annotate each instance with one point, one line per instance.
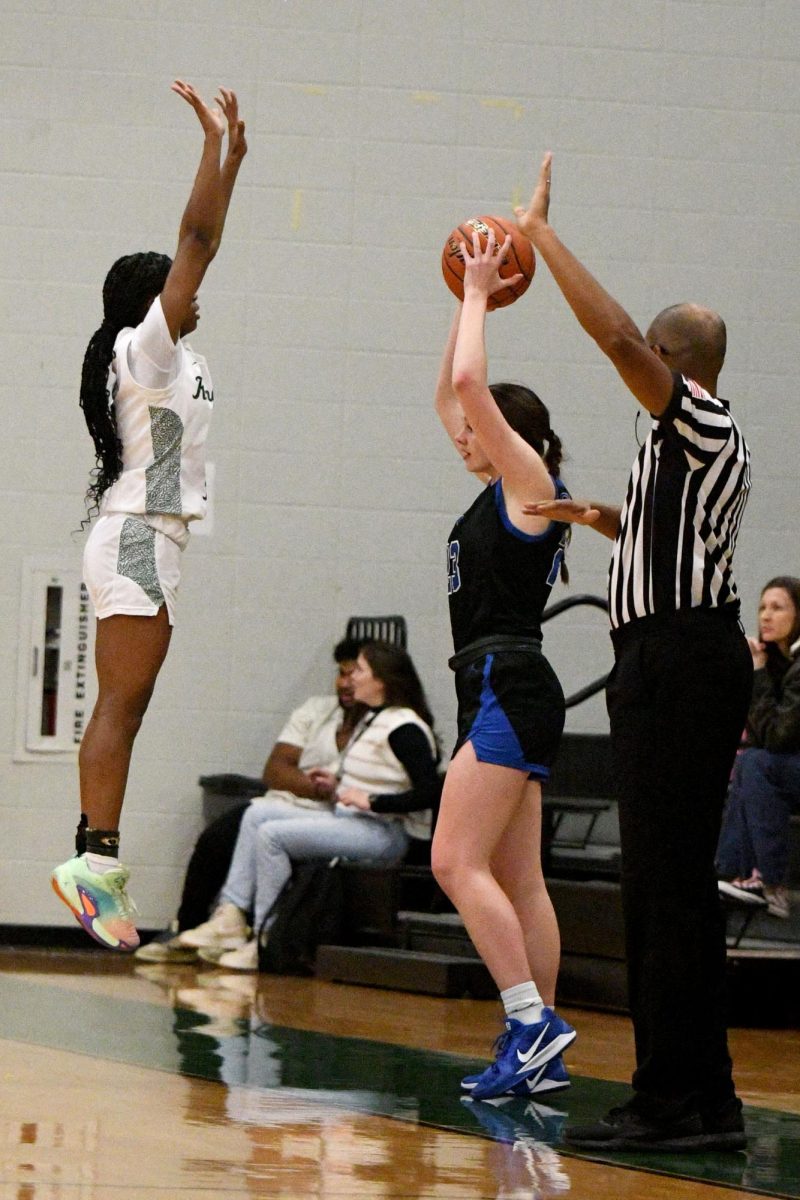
(308, 913)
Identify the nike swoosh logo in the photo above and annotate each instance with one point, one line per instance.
(528, 1055)
(532, 1082)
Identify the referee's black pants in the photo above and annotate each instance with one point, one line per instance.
(677, 701)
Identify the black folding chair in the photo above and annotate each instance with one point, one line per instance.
(379, 629)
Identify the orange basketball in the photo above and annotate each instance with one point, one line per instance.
(518, 258)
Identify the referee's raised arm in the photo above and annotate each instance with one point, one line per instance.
(606, 321)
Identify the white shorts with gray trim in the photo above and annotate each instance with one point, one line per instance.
(130, 568)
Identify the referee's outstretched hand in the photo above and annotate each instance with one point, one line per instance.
(535, 215)
(574, 512)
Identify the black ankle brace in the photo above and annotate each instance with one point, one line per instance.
(80, 834)
(103, 841)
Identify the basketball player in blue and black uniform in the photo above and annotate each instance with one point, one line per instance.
(501, 568)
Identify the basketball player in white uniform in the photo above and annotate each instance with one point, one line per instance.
(149, 484)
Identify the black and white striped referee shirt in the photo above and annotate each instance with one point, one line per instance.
(678, 526)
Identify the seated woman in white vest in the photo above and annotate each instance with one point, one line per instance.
(385, 788)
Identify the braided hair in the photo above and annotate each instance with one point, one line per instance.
(129, 289)
(528, 416)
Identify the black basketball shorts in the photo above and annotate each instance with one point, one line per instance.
(511, 708)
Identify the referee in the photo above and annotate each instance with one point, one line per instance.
(677, 701)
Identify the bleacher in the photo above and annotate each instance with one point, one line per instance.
(403, 933)
(400, 930)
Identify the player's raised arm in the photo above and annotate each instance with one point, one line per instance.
(204, 216)
(512, 457)
(446, 402)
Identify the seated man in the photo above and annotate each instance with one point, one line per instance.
(310, 742)
(385, 787)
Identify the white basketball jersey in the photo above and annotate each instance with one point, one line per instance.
(163, 433)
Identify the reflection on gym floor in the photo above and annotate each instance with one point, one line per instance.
(212, 1085)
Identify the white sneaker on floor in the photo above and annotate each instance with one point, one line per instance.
(742, 891)
(244, 959)
(226, 929)
(211, 954)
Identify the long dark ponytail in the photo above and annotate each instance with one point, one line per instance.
(130, 286)
(528, 416)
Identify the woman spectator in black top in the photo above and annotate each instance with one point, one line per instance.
(765, 788)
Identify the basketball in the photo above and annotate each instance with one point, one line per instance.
(518, 258)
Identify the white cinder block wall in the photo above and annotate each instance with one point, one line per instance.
(374, 126)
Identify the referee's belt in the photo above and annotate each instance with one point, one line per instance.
(491, 644)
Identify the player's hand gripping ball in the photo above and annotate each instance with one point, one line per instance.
(518, 259)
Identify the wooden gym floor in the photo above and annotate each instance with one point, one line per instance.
(126, 1081)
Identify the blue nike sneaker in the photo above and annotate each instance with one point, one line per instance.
(551, 1077)
(521, 1051)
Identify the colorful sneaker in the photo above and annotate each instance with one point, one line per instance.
(98, 902)
(226, 929)
(521, 1050)
(551, 1077)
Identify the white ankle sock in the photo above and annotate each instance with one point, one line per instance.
(100, 863)
(523, 1003)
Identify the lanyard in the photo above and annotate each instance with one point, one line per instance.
(360, 729)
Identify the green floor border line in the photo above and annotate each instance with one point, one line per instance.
(370, 1077)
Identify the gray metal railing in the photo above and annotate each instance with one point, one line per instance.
(554, 610)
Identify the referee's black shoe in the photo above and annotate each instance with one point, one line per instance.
(625, 1128)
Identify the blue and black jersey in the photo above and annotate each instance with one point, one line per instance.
(499, 578)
